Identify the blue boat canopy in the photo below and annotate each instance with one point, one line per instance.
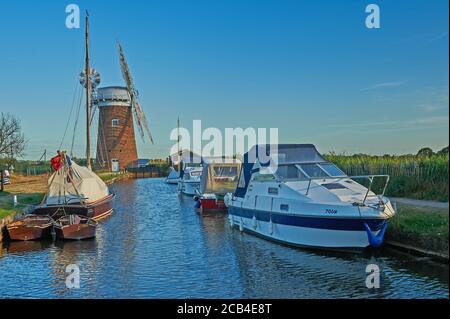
(281, 153)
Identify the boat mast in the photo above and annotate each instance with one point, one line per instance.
(88, 96)
(178, 143)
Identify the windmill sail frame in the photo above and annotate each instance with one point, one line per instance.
(138, 112)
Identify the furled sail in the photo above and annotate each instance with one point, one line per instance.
(69, 185)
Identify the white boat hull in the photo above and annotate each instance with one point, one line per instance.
(352, 234)
(189, 188)
(172, 180)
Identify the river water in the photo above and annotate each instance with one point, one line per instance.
(156, 246)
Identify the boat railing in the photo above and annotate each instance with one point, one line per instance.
(371, 178)
(368, 177)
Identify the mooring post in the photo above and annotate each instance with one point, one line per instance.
(1, 180)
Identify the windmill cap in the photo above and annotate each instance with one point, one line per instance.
(113, 95)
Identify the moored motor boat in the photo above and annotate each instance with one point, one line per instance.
(306, 201)
(219, 176)
(189, 182)
(30, 227)
(75, 227)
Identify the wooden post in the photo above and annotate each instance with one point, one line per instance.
(88, 97)
(1, 180)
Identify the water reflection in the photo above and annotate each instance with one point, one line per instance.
(156, 246)
(20, 247)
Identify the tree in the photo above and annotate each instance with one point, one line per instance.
(443, 151)
(12, 140)
(425, 152)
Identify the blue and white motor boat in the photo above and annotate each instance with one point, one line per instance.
(189, 182)
(306, 201)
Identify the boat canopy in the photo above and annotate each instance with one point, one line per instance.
(86, 185)
(281, 154)
(220, 175)
(187, 157)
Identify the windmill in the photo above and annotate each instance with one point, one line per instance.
(139, 115)
(119, 109)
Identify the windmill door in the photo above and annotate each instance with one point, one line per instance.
(115, 165)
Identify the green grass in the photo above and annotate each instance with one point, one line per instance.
(425, 228)
(7, 205)
(420, 177)
(108, 176)
(5, 212)
(426, 221)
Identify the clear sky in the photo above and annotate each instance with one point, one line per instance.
(310, 68)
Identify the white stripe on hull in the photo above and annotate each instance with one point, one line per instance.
(303, 236)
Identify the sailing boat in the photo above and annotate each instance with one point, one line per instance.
(74, 189)
(174, 175)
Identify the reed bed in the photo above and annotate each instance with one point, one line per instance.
(421, 177)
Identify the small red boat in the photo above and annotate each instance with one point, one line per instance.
(75, 227)
(211, 204)
(219, 176)
(30, 227)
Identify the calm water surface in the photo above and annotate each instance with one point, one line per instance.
(156, 246)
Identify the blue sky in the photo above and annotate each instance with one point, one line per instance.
(310, 68)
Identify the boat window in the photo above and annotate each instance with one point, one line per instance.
(229, 171)
(313, 170)
(257, 176)
(195, 173)
(241, 183)
(332, 169)
(290, 172)
(334, 186)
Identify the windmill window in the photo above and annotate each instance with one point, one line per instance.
(115, 122)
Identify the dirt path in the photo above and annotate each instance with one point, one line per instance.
(420, 203)
(27, 184)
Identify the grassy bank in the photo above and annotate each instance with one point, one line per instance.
(108, 176)
(425, 228)
(412, 176)
(23, 200)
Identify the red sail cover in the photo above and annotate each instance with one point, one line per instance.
(56, 162)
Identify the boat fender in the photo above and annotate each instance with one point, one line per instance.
(197, 204)
(271, 226)
(231, 221)
(254, 222)
(227, 199)
(375, 240)
(241, 225)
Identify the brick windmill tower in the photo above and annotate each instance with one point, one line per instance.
(119, 108)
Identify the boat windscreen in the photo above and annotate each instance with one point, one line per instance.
(332, 170)
(297, 154)
(313, 170)
(290, 173)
